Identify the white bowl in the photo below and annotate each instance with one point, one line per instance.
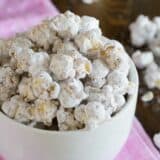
(19, 142)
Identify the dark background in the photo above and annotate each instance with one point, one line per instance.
(115, 16)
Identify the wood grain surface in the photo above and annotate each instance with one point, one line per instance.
(115, 16)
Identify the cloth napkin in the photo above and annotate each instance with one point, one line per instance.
(18, 16)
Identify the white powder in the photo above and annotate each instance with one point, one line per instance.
(68, 71)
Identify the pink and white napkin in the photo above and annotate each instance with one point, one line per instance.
(18, 16)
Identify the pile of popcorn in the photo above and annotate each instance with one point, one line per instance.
(146, 32)
(63, 70)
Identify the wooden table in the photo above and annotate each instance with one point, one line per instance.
(115, 16)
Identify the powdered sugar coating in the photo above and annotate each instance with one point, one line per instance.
(42, 35)
(146, 31)
(142, 59)
(95, 94)
(154, 45)
(72, 93)
(88, 40)
(44, 87)
(16, 109)
(88, 23)
(8, 82)
(64, 71)
(21, 59)
(115, 57)
(66, 120)
(118, 81)
(39, 62)
(62, 66)
(82, 66)
(90, 114)
(152, 76)
(42, 111)
(147, 60)
(25, 89)
(66, 25)
(100, 69)
(142, 30)
(4, 53)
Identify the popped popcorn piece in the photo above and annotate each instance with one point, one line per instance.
(148, 96)
(89, 1)
(156, 20)
(53, 90)
(90, 114)
(44, 87)
(116, 58)
(109, 96)
(118, 81)
(62, 66)
(95, 94)
(16, 108)
(152, 76)
(142, 31)
(39, 61)
(98, 74)
(26, 60)
(41, 82)
(124, 67)
(4, 53)
(148, 32)
(25, 89)
(8, 82)
(111, 42)
(156, 140)
(42, 34)
(66, 120)
(18, 44)
(98, 83)
(67, 48)
(117, 102)
(100, 69)
(142, 59)
(88, 23)
(154, 45)
(58, 43)
(82, 66)
(88, 40)
(43, 111)
(113, 102)
(66, 25)
(20, 59)
(105, 96)
(41, 86)
(72, 93)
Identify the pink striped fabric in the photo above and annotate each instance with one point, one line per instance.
(138, 146)
(18, 16)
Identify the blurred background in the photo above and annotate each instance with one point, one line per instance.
(115, 16)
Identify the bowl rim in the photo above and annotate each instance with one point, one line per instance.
(133, 75)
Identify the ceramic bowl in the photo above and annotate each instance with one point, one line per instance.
(20, 142)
